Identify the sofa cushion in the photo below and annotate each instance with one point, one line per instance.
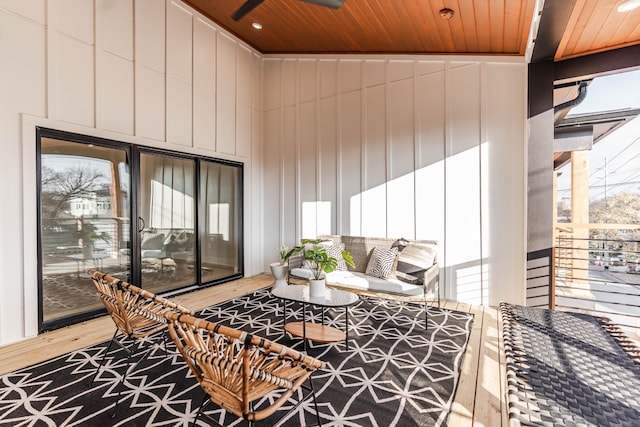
(357, 280)
(413, 260)
(381, 262)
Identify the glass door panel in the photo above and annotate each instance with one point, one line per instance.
(221, 195)
(166, 222)
(84, 216)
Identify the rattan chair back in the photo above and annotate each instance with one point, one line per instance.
(137, 313)
(235, 368)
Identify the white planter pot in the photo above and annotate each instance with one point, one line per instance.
(279, 272)
(317, 288)
(87, 252)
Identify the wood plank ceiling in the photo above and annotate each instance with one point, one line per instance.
(486, 27)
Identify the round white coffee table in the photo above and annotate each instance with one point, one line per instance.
(319, 332)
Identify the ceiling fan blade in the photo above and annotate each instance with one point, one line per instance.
(247, 7)
(333, 4)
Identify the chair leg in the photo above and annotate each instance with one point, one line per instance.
(128, 367)
(195, 420)
(426, 311)
(164, 340)
(315, 402)
(124, 375)
(205, 402)
(104, 356)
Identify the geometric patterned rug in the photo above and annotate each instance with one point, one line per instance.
(394, 374)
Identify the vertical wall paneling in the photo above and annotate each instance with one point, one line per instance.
(272, 183)
(271, 156)
(312, 215)
(430, 178)
(71, 62)
(506, 212)
(290, 196)
(462, 183)
(400, 185)
(150, 59)
(400, 69)
(254, 197)
(22, 81)
(290, 175)
(179, 106)
(243, 101)
(328, 154)
(350, 151)
(137, 71)
(420, 147)
(204, 84)
(374, 192)
(150, 23)
(114, 66)
(486, 124)
(226, 91)
(272, 84)
(328, 140)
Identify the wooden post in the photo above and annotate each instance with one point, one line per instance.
(580, 214)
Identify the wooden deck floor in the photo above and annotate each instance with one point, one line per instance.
(479, 399)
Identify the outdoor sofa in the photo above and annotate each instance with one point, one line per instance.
(413, 271)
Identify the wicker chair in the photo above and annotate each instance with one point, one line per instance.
(136, 313)
(236, 369)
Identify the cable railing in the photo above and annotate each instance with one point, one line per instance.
(597, 271)
(65, 236)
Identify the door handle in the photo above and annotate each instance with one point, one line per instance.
(141, 221)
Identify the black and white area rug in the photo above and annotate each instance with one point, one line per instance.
(394, 374)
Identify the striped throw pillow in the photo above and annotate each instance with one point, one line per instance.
(381, 262)
(336, 252)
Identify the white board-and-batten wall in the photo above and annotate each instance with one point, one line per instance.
(420, 147)
(148, 72)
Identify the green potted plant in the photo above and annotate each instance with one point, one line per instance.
(88, 233)
(321, 263)
(280, 269)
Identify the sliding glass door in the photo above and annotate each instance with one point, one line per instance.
(161, 220)
(84, 223)
(220, 193)
(167, 221)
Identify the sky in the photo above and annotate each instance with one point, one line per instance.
(614, 161)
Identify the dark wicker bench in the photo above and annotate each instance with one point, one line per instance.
(569, 369)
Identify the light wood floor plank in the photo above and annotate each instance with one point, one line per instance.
(464, 403)
(488, 388)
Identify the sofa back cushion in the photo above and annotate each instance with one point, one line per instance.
(413, 260)
(362, 247)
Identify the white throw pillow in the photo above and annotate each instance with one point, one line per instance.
(381, 262)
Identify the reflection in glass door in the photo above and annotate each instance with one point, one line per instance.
(160, 220)
(84, 217)
(220, 194)
(166, 222)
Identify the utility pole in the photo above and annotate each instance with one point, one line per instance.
(605, 178)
